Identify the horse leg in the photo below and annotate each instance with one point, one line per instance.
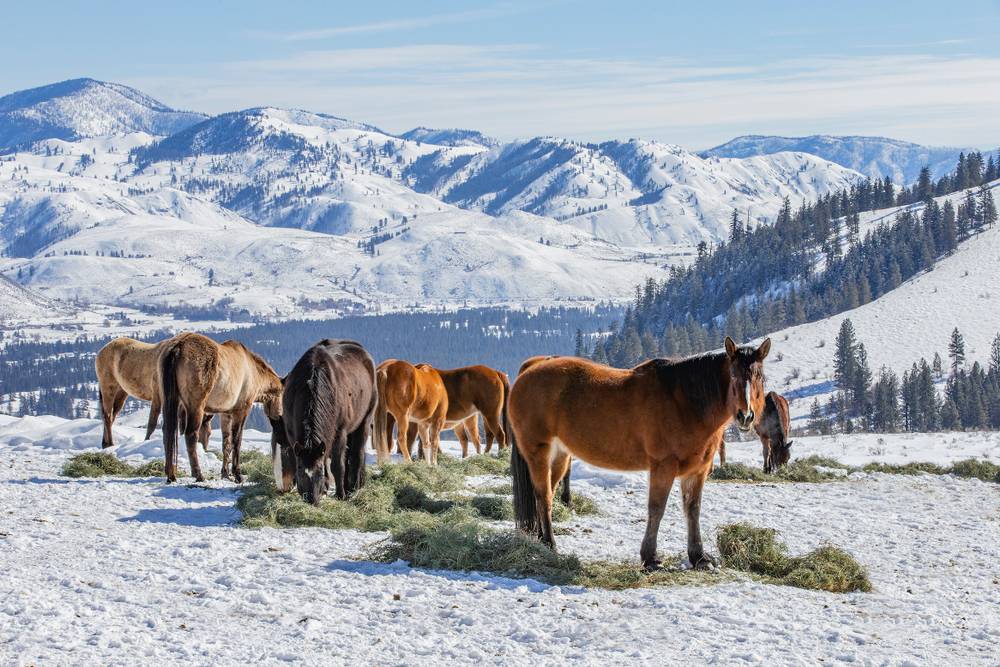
(227, 445)
(107, 396)
(236, 423)
(435, 434)
(463, 438)
(356, 458)
(722, 452)
(194, 418)
(661, 478)
(539, 460)
(765, 444)
(338, 464)
(403, 434)
(205, 432)
(691, 488)
(494, 426)
(560, 466)
(154, 416)
(472, 429)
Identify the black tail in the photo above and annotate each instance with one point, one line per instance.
(508, 437)
(171, 404)
(566, 496)
(525, 507)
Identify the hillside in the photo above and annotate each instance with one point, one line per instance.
(82, 108)
(875, 157)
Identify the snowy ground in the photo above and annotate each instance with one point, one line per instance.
(104, 571)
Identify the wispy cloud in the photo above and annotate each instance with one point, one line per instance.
(517, 90)
(412, 23)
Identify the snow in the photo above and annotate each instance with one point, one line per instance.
(160, 573)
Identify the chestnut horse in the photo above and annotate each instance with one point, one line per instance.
(566, 496)
(772, 428)
(663, 416)
(199, 377)
(475, 389)
(329, 401)
(128, 367)
(409, 393)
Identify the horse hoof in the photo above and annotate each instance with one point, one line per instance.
(705, 562)
(238, 478)
(199, 478)
(652, 565)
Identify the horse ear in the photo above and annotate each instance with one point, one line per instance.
(764, 348)
(731, 348)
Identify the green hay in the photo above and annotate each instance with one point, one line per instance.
(255, 466)
(737, 472)
(799, 470)
(823, 462)
(106, 464)
(456, 541)
(758, 551)
(980, 469)
(478, 464)
(913, 468)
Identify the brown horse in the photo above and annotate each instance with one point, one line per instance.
(409, 393)
(128, 367)
(663, 416)
(566, 495)
(198, 377)
(772, 428)
(475, 389)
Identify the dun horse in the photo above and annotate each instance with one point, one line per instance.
(409, 393)
(329, 401)
(127, 367)
(663, 416)
(772, 428)
(199, 377)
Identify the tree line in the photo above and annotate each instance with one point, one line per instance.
(809, 265)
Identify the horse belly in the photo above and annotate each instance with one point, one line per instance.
(611, 454)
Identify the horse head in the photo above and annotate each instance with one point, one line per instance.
(746, 381)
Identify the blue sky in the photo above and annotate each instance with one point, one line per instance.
(695, 74)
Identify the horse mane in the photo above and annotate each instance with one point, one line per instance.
(318, 394)
(698, 377)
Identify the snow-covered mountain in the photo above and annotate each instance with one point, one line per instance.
(449, 137)
(108, 210)
(79, 108)
(873, 156)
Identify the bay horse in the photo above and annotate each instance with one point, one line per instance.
(328, 401)
(128, 367)
(772, 429)
(199, 377)
(663, 416)
(409, 393)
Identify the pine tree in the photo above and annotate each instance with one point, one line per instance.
(924, 189)
(844, 355)
(995, 356)
(937, 366)
(861, 381)
(579, 349)
(987, 215)
(956, 351)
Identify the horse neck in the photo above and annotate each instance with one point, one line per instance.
(722, 412)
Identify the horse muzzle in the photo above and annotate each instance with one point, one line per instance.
(744, 420)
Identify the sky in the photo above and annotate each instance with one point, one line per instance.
(694, 73)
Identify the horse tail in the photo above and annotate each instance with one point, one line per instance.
(170, 394)
(379, 436)
(507, 435)
(525, 507)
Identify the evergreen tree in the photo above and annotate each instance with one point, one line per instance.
(987, 207)
(844, 356)
(956, 350)
(579, 348)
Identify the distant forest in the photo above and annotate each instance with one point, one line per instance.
(58, 378)
(765, 279)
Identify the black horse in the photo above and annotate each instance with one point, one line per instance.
(328, 403)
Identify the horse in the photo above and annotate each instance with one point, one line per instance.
(663, 416)
(471, 390)
(772, 430)
(199, 377)
(409, 393)
(128, 367)
(328, 401)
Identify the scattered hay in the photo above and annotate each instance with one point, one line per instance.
(737, 472)
(478, 464)
(456, 541)
(913, 468)
(823, 462)
(799, 470)
(106, 464)
(255, 466)
(758, 551)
